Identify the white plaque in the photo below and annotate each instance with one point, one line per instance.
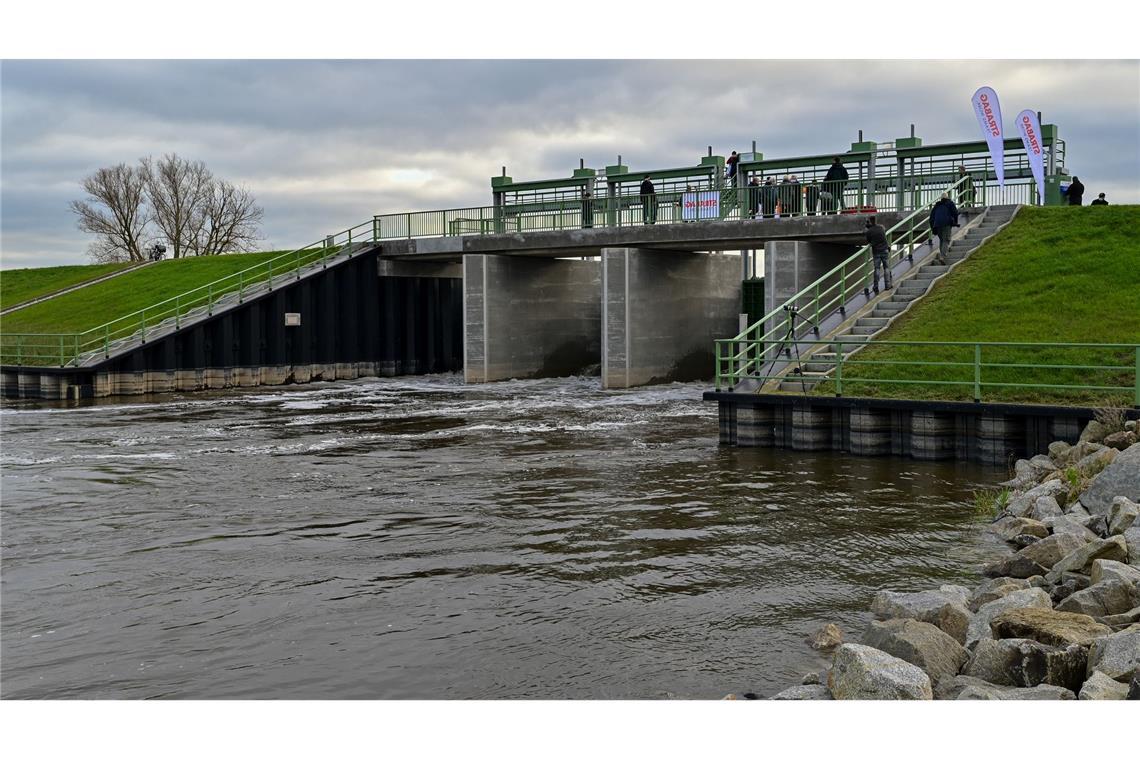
(292, 319)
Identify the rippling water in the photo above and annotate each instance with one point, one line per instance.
(418, 538)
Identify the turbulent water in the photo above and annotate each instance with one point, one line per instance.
(418, 538)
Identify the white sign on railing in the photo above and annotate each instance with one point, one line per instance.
(704, 205)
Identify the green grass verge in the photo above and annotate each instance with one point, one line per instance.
(96, 304)
(1055, 275)
(20, 285)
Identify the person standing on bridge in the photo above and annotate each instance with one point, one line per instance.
(731, 163)
(833, 184)
(587, 209)
(943, 220)
(880, 251)
(769, 197)
(648, 201)
(966, 193)
(753, 197)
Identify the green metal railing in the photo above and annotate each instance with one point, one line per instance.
(745, 355)
(974, 370)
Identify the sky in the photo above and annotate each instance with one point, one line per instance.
(325, 144)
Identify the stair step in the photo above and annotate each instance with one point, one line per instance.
(865, 330)
(870, 321)
(903, 298)
(887, 309)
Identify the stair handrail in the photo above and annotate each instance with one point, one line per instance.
(748, 350)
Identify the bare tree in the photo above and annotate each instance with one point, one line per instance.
(227, 221)
(179, 201)
(178, 190)
(114, 210)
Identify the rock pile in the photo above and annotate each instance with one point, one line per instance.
(1059, 618)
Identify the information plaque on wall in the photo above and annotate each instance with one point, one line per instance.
(292, 319)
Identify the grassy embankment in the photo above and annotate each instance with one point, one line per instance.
(102, 302)
(1055, 275)
(20, 285)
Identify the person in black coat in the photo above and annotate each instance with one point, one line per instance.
(833, 184)
(648, 201)
(769, 195)
(1076, 192)
(943, 220)
(1100, 201)
(753, 197)
(881, 251)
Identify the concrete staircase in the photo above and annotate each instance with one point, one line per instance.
(883, 309)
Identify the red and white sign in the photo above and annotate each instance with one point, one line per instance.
(988, 111)
(705, 205)
(1030, 129)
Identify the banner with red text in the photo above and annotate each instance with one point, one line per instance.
(988, 110)
(1030, 128)
(702, 205)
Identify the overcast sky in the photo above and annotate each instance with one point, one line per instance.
(324, 145)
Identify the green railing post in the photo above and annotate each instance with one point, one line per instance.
(297, 262)
(843, 287)
(408, 224)
(76, 354)
(838, 369)
(241, 287)
(270, 265)
(61, 362)
(177, 312)
(143, 317)
(977, 372)
(1137, 380)
(106, 340)
(19, 349)
(375, 229)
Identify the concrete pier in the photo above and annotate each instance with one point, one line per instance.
(529, 317)
(662, 312)
(792, 265)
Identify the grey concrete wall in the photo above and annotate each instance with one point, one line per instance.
(392, 268)
(529, 317)
(661, 312)
(790, 265)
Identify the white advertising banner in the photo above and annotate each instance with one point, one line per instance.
(988, 111)
(704, 205)
(1030, 129)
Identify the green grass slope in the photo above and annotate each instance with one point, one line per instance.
(102, 302)
(1055, 275)
(20, 285)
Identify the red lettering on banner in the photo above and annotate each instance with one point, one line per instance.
(1031, 135)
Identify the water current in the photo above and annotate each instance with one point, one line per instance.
(419, 538)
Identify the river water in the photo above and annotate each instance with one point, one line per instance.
(419, 538)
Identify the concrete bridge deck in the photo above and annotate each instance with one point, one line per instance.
(733, 235)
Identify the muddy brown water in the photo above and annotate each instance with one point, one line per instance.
(419, 538)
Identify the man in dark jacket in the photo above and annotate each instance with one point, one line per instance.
(731, 163)
(880, 251)
(943, 220)
(769, 195)
(1100, 201)
(1076, 192)
(833, 185)
(648, 201)
(753, 197)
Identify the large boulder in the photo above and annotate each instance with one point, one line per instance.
(1132, 539)
(1116, 655)
(1047, 626)
(1120, 440)
(1057, 452)
(1122, 514)
(1010, 528)
(980, 626)
(1100, 686)
(918, 605)
(1123, 620)
(1077, 510)
(989, 691)
(1095, 432)
(1110, 597)
(1096, 461)
(1046, 506)
(1049, 551)
(1108, 570)
(921, 644)
(1080, 560)
(1014, 566)
(994, 588)
(862, 672)
(1121, 478)
(813, 691)
(1022, 505)
(953, 620)
(1024, 662)
(1068, 524)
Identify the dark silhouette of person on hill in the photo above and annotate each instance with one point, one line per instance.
(833, 184)
(943, 220)
(880, 250)
(1076, 192)
(1100, 201)
(648, 201)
